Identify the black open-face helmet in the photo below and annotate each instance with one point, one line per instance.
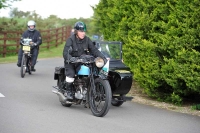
(80, 26)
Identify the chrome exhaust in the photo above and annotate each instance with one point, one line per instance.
(62, 98)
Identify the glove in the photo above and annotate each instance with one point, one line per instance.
(73, 59)
(31, 43)
(86, 58)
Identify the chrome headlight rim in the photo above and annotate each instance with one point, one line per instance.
(99, 62)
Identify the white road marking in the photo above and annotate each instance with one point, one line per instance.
(1, 95)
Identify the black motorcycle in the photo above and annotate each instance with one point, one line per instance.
(26, 58)
(91, 86)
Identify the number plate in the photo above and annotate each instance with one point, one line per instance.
(26, 48)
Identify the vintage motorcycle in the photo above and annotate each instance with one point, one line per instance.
(91, 86)
(26, 58)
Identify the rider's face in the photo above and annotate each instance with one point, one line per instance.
(81, 34)
(31, 26)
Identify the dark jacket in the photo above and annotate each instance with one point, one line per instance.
(34, 35)
(75, 47)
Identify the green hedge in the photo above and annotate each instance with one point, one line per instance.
(161, 43)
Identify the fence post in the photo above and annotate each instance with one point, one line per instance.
(66, 35)
(17, 42)
(48, 39)
(63, 33)
(4, 44)
(57, 37)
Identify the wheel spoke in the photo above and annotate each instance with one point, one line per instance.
(100, 98)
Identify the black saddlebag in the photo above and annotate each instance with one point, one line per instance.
(59, 71)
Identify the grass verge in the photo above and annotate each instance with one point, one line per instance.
(44, 53)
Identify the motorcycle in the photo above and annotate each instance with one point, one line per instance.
(26, 58)
(91, 86)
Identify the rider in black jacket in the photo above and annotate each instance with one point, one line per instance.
(76, 45)
(35, 35)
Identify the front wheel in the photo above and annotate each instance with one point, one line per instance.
(100, 97)
(23, 65)
(29, 65)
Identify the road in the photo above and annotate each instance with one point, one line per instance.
(27, 105)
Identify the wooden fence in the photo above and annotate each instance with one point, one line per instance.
(9, 40)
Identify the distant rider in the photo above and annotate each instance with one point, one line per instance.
(35, 35)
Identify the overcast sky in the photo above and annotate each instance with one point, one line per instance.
(61, 8)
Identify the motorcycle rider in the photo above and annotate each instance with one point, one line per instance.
(76, 45)
(35, 35)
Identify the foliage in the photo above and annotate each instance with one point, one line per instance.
(195, 107)
(6, 3)
(161, 43)
(18, 21)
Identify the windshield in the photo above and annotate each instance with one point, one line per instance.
(111, 50)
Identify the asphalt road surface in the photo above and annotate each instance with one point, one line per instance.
(27, 105)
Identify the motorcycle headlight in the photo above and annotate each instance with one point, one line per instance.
(99, 62)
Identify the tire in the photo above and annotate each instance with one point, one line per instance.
(29, 65)
(100, 102)
(117, 101)
(23, 65)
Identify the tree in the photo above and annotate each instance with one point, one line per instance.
(6, 3)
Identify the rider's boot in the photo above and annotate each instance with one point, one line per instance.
(33, 69)
(19, 64)
(69, 89)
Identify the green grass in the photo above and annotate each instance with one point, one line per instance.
(48, 53)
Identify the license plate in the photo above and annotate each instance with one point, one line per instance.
(26, 48)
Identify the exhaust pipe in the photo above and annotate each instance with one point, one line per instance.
(62, 98)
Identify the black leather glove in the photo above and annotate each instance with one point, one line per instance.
(73, 59)
(86, 58)
(33, 45)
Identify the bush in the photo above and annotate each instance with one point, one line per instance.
(161, 43)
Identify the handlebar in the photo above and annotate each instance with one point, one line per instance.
(26, 42)
(83, 61)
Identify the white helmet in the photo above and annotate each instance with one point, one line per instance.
(31, 22)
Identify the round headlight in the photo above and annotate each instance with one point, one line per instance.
(99, 62)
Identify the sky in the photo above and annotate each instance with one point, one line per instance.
(63, 9)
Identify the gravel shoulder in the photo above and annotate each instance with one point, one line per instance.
(141, 98)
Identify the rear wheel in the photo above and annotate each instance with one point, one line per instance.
(100, 97)
(23, 65)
